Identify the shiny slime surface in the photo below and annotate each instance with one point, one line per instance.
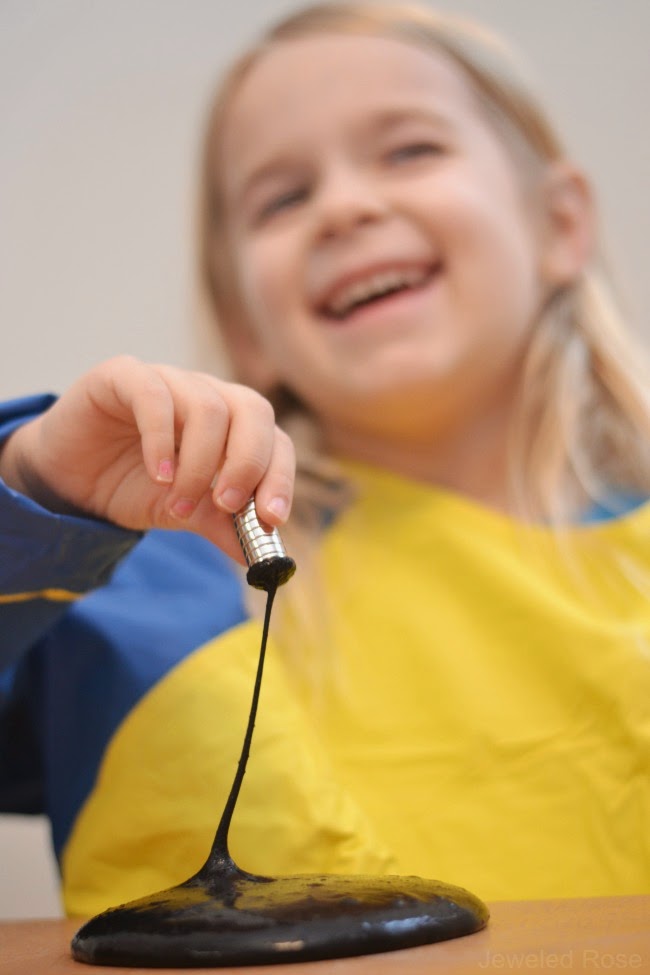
(225, 917)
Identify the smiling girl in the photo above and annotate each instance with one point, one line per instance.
(404, 262)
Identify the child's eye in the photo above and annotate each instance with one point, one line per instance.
(282, 201)
(412, 150)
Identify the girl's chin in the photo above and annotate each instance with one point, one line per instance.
(413, 400)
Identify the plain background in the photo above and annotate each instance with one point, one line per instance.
(101, 108)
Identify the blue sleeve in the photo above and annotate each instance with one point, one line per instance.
(46, 560)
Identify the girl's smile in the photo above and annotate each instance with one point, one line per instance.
(361, 290)
(384, 248)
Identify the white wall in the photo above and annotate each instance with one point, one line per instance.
(101, 103)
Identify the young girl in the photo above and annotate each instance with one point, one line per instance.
(402, 259)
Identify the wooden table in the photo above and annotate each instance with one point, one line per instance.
(583, 935)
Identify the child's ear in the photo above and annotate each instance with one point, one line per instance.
(569, 223)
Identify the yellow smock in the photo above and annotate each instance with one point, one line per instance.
(484, 718)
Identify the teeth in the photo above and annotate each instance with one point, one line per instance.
(374, 286)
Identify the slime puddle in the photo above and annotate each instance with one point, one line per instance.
(224, 916)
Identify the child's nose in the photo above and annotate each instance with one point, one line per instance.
(348, 199)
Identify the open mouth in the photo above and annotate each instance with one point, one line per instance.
(375, 289)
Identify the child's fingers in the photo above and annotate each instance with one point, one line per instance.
(249, 448)
(153, 409)
(274, 493)
(217, 526)
(203, 417)
(229, 448)
(141, 390)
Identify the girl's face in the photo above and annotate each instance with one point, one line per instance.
(384, 248)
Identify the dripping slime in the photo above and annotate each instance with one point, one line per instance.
(224, 916)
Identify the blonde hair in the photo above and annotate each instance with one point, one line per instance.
(582, 426)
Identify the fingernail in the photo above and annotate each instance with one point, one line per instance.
(165, 471)
(278, 507)
(183, 508)
(232, 499)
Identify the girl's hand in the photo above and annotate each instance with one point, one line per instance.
(148, 446)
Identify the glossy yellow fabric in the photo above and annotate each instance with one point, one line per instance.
(55, 595)
(485, 721)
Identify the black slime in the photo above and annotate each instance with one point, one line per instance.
(224, 916)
